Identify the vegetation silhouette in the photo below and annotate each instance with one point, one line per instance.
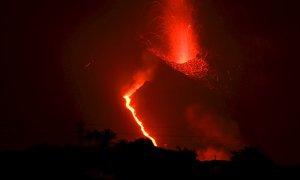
(101, 157)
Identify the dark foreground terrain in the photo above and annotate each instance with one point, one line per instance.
(135, 160)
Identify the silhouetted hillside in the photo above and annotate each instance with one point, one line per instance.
(139, 159)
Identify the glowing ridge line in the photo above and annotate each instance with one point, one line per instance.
(132, 110)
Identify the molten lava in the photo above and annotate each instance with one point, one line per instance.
(132, 110)
(178, 43)
(180, 32)
(178, 46)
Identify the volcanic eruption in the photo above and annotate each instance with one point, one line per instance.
(182, 51)
(178, 41)
(178, 46)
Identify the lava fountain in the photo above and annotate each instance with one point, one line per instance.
(179, 31)
(178, 43)
(181, 49)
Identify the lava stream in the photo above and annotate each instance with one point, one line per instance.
(132, 110)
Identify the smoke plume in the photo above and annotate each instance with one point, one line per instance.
(143, 74)
(217, 135)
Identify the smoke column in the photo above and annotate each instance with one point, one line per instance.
(178, 46)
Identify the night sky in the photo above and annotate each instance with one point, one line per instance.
(68, 62)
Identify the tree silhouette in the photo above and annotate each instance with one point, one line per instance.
(89, 137)
(106, 137)
(79, 131)
(93, 137)
(252, 161)
(143, 144)
(102, 139)
(250, 154)
(122, 144)
(96, 137)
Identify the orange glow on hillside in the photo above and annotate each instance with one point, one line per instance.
(212, 153)
(133, 112)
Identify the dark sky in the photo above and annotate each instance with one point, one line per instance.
(251, 92)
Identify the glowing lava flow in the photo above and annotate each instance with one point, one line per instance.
(132, 110)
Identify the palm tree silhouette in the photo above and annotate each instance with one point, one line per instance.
(101, 139)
